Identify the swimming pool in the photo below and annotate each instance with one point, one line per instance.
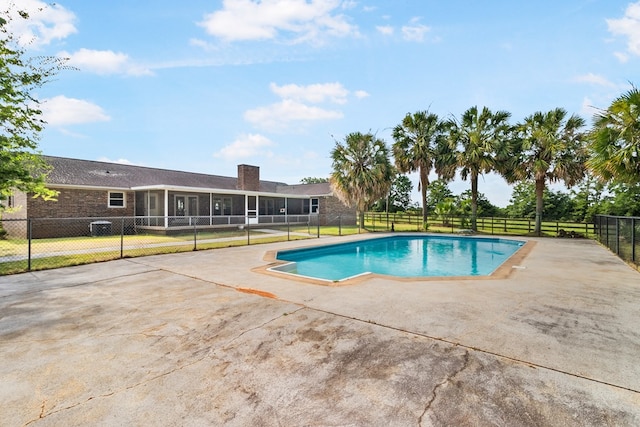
(401, 256)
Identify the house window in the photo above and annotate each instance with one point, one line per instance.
(116, 199)
(314, 205)
(222, 206)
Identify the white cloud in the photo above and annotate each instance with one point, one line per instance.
(315, 93)
(628, 26)
(119, 161)
(249, 145)
(278, 116)
(294, 106)
(104, 62)
(202, 44)
(622, 57)
(47, 22)
(414, 32)
(594, 79)
(588, 109)
(301, 20)
(349, 4)
(60, 111)
(386, 30)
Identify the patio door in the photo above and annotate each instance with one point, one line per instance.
(252, 209)
(153, 209)
(186, 205)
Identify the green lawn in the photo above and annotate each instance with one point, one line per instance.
(55, 253)
(61, 252)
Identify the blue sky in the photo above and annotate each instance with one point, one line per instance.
(203, 86)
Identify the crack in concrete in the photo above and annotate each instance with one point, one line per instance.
(480, 350)
(447, 380)
(50, 287)
(113, 393)
(261, 326)
(155, 377)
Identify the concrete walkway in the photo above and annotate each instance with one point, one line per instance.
(200, 339)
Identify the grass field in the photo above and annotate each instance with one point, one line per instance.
(16, 255)
(500, 226)
(61, 252)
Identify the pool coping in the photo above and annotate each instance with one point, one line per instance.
(502, 272)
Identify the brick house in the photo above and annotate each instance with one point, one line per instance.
(163, 201)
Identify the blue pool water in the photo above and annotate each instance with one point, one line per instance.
(403, 256)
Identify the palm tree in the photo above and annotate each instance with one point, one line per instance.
(445, 210)
(615, 140)
(481, 139)
(550, 148)
(362, 172)
(419, 139)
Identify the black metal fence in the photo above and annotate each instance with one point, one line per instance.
(44, 243)
(621, 235)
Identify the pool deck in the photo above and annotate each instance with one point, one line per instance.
(204, 338)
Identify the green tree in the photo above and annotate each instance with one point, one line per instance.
(557, 205)
(399, 198)
(362, 171)
(485, 207)
(624, 200)
(438, 191)
(588, 197)
(313, 180)
(418, 140)
(445, 210)
(481, 139)
(522, 203)
(614, 141)
(22, 168)
(550, 149)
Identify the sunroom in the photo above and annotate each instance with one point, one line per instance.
(168, 207)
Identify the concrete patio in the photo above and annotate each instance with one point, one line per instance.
(201, 339)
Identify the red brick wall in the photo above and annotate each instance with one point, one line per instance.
(248, 178)
(330, 207)
(74, 203)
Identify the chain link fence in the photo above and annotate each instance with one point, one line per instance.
(44, 243)
(621, 235)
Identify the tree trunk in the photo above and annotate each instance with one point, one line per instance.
(539, 205)
(474, 200)
(424, 183)
(361, 219)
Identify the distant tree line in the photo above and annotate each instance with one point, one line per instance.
(600, 165)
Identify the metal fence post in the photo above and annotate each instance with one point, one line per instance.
(122, 238)
(339, 225)
(195, 234)
(618, 236)
(29, 244)
(633, 239)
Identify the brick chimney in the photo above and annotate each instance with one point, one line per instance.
(248, 178)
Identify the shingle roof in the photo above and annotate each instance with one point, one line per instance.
(90, 173)
(319, 189)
